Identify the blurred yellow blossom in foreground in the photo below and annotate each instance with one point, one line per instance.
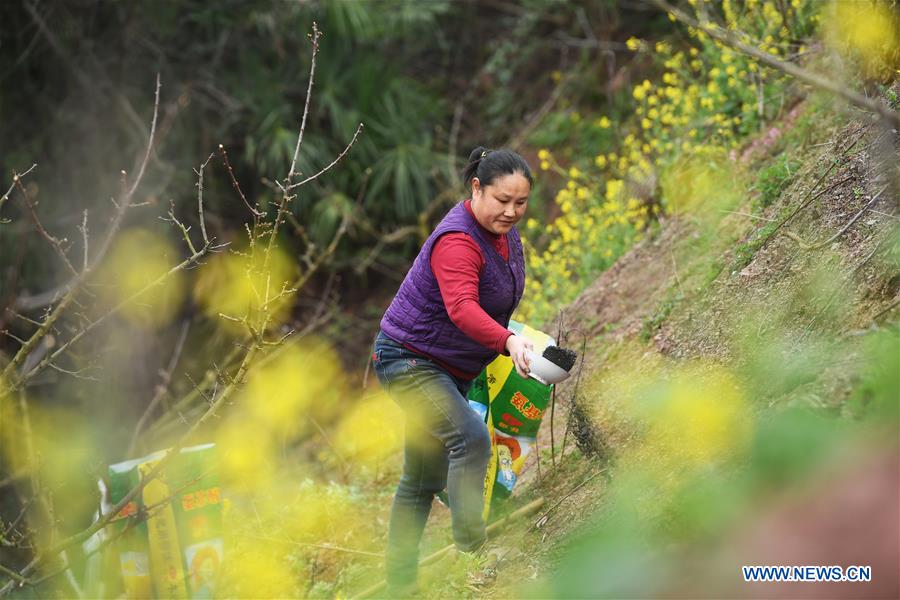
(137, 259)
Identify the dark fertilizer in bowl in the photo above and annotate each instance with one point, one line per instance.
(561, 357)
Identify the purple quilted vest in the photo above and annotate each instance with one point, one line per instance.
(417, 315)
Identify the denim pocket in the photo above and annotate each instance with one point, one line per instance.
(391, 362)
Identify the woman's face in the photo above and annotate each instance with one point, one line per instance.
(501, 204)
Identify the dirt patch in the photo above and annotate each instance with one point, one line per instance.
(820, 269)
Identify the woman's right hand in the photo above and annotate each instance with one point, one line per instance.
(517, 346)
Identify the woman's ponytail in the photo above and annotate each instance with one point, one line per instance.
(487, 165)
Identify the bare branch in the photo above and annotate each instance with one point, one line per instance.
(200, 199)
(54, 242)
(20, 580)
(256, 213)
(184, 230)
(31, 302)
(16, 178)
(312, 72)
(76, 374)
(114, 310)
(359, 128)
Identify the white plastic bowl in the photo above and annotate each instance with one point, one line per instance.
(544, 370)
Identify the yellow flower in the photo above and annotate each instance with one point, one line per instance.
(605, 122)
(600, 161)
(638, 93)
(694, 52)
(545, 165)
(633, 43)
(662, 47)
(613, 187)
(645, 123)
(543, 154)
(574, 173)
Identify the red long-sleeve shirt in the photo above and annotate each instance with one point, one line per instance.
(457, 262)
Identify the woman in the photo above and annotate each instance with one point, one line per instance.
(447, 321)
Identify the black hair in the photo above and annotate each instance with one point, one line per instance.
(488, 165)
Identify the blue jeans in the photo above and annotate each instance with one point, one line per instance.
(446, 444)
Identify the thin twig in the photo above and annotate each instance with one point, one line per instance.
(843, 230)
(16, 178)
(54, 242)
(200, 199)
(312, 73)
(234, 183)
(343, 153)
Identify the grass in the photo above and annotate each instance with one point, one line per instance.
(774, 179)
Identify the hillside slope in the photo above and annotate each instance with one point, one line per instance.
(786, 291)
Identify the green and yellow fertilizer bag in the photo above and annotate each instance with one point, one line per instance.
(513, 408)
(176, 552)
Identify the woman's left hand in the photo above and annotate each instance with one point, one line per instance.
(517, 347)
